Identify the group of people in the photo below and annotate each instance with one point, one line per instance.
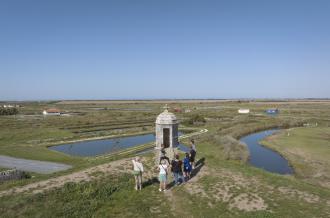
(181, 169)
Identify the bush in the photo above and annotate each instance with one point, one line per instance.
(8, 111)
(25, 175)
(196, 119)
(226, 147)
(232, 148)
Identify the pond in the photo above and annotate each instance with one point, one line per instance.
(105, 146)
(263, 157)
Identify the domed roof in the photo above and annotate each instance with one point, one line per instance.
(166, 118)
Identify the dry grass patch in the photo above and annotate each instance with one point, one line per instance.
(294, 193)
(224, 187)
(248, 202)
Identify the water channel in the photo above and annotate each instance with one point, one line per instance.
(263, 157)
(105, 146)
(260, 156)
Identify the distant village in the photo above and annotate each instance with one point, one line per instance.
(10, 106)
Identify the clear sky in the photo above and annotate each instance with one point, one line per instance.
(137, 49)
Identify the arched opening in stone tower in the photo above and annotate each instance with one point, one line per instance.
(166, 137)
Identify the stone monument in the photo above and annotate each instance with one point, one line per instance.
(167, 137)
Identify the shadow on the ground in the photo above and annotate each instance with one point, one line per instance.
(170, 185)
(198, 166)
(150, 181)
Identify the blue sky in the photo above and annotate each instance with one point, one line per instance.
(164, 49)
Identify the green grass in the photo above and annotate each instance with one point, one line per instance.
(251, 180)
(108, 197)
(308, 151)
(113, 196)
(25, 143)
(301, 195)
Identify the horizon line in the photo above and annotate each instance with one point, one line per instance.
(167, 99)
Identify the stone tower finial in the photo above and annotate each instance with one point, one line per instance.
(166, 107)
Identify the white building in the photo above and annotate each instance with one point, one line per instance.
(244, 111)
(8, 106)
(52, 111)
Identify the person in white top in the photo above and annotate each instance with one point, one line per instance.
(162, 175)
(137, 172)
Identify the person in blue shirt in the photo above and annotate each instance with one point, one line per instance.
(187, 167)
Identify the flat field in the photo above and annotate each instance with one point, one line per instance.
(308, 150)
(223, 185)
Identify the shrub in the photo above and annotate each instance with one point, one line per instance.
(196, 119)
(8, 111)
(232, 148)
(26, 175)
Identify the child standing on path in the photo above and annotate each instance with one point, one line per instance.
(137, 172)
(162, 175)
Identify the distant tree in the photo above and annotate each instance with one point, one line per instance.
(8, 111)
(196, 119)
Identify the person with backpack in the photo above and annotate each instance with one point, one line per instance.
(187, 167)
(176, 167)
(162, 175)
(137, 172)
(163, 155)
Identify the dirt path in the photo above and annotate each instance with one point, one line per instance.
(123, 165)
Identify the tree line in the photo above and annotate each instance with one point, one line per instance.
(8, 111)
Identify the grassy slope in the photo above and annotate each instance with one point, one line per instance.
(108, 197)
(113, 196)
(233, 179)
(308, 150)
